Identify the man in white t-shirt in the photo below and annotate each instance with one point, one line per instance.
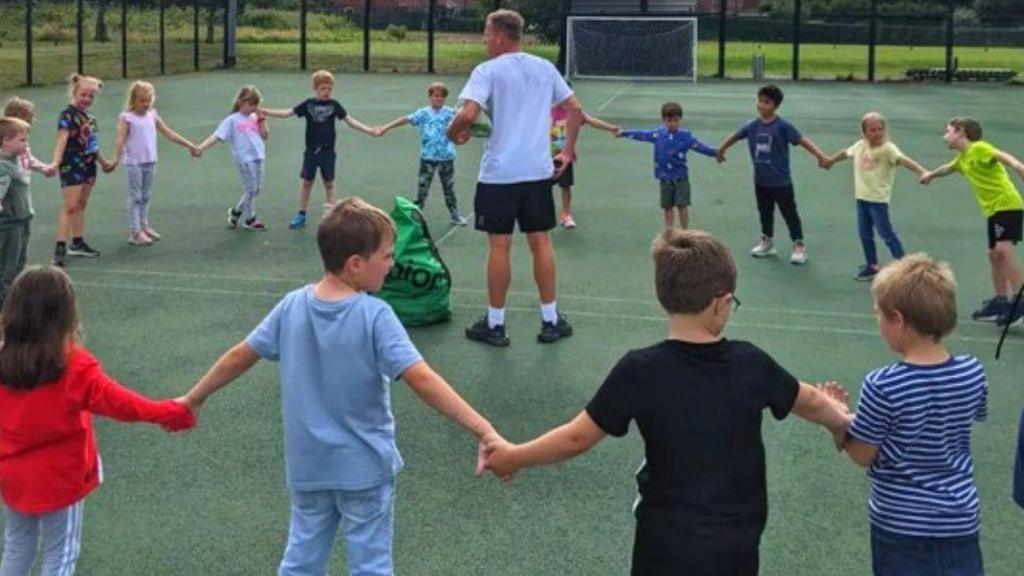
(517, 91)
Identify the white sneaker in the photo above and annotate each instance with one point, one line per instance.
(567, 222)
(799, 256)
(139, 238)
(764, 248)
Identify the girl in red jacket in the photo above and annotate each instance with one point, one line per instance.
(49, 387)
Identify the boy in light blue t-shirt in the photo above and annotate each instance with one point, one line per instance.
(338, 349)
(437, 152)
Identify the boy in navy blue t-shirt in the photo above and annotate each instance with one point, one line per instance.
(769, 138)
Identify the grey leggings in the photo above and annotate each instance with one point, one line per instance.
(251, 175)
(140, 188)
(59, 534)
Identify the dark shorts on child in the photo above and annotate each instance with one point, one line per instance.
(898, 555)
(82, 171)
(318, 158)
(675, 193)
(662, 547)
(567, 179)
(1005, 227)
(499, 206)
(1018, 469)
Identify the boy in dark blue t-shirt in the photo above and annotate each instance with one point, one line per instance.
(769, 138)
(319, 113)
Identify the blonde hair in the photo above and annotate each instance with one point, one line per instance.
(691, 268)
(246, 94)
(139, 90)
(437, 87)
(508, 22)
(11, 127)
(76, 81)
(20, 108)
(969, 126)
(872, 116)
(322, 77)
(922, 291)
(352, 227)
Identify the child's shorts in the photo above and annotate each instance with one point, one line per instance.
(81, 170)
(1005, 227)
(318, 158)
(675, 194)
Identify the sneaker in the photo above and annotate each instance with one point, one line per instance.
(567, 222)
(233, 216)
(457, 218)
(59, 253)
(298, 221)
(151, 233)
(481, 332)
(799, 255)
(1007, 320)
(254, 224)
(139, 238)
(82, 250)
(554, 331)
(866, 273)
(764, 248)
(991, 310)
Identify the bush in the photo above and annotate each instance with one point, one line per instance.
(396, 33)
(265, 20)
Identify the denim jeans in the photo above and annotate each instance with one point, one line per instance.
(365, 516)
(899, 555)
(873, 216)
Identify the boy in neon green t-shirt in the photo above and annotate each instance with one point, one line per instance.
(984, 166)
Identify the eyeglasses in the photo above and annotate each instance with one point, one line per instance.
(733, 300)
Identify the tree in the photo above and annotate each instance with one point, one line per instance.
(999, 10)
(101, 34)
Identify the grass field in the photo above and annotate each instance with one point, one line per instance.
(214, 502)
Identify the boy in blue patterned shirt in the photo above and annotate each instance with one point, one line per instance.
(913, 429)
(437, 152)
(671, 143)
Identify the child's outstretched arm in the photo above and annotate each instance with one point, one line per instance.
(173, 136)
(231, 365)
(205, 145)
(702, 148)
(400, 121)
(562, 443)
(357, 125)
(122, 136)
(58, 148)
(809, 145)
(823, 408)
(278, 112)
(439, 395)
(726, 144)
(941, 171)
(1011, 162)
(838, 157)
(638, 135)
(601, 124)
(912, 165)
(106, 397)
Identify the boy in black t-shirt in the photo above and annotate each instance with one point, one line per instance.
(697, 399)
(319, 113)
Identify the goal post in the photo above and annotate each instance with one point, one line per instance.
(631, 47)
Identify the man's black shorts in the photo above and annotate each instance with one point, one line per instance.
(499, 206)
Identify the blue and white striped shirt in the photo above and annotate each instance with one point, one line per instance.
(922, 480)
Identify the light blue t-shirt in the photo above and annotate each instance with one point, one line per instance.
(243, 132)
(433, 125)
(336, 362)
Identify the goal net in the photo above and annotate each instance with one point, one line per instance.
(634, 48)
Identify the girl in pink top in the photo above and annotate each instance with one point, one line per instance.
(136, 139)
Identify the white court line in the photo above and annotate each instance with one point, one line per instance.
(597, 315)
(469, 217)
(627, 86)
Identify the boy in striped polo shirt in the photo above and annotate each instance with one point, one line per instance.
(913, 429)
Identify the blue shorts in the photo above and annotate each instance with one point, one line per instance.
(899, 555)
(318, 158)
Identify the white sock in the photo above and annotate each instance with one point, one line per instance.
(549, 312)
(495, 317)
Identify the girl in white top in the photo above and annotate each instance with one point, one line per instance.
(136, 139)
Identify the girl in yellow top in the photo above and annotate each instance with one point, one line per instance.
(984, 166)
(875, 159)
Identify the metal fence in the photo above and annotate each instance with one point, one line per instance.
(42, 41)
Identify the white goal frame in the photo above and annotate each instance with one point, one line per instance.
(569, 73)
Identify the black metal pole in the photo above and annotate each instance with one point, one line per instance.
(644, 6)
(949, 40)
(226, 63)
(163, 45)
(872, 40)
(722, 8)
(302, 35)
(563, 24)
(124, 38)
(367, 5)
(78, 28)
(28, 41)
(797, 8)
(497, 4)
(195, 34)
(431, 16)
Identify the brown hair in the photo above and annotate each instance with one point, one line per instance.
(352, 227)
(691, 268)
(507, 22)
(922, 291)
(246, 94)
(139, 90)
(322, 77)
(77, 80)
(671, 110)
(11, 127)
(20, 108)
(969, 126)
(437, 87)
(40, 319)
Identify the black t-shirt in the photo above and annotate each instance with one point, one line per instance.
(320, 115)
(698, 408)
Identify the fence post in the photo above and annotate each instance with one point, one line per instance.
(797, 9)
(367, 6)
(302, 34)
(124, 38)
(563, 23)
(195, 35)
(722, 9)
(644, 6)
(78, 28)
(28, 41)
(163, 44)
(497, 4)
(949, 40)
(230, 32)
(431, 16)
(872, 40)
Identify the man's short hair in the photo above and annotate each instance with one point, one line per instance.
(691, 268)
(671, 110)
(508, 22)
(11, 127)
(771, 92)
(352, 227)
(922, 291)
(969, 126)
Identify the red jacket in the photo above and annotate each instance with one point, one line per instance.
(48, 457)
